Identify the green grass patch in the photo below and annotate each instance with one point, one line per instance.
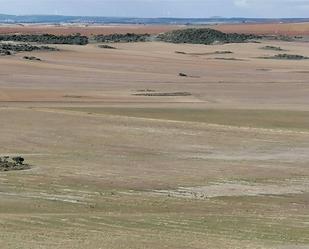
(270, 119)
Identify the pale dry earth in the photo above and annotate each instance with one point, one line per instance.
(226, 167)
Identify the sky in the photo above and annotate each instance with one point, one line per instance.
(159, 8)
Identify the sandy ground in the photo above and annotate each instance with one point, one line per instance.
(226, 167)
(92, 75)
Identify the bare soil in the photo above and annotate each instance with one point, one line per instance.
(112, 168)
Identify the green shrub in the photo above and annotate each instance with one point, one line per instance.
(15, 163)
(129, 37)
(76, 39)
(273, 48)
(287, 57)
(204, 36)
(106, 46)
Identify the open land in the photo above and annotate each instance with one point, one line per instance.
(126, 153)
(293, 29)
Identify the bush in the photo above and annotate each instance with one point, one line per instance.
(9, 49)
(204, 36)
(183, 75)
(15, 163)
(129, 37)
(273, 48)
(106, 46)
(31, 58)
(287, 57)
(76, 39)
(24, 47)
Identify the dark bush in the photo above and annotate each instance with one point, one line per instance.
(204, 36)
(273, 48)
(106, 46)
(76, 39)
(183, 75)
(287, 57)
(129, 37)
(24, 47)
(31, 58)
(9, 49)
(15, 163)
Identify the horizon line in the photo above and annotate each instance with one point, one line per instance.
(158, 17)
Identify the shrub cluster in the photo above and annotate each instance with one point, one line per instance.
(24, 47)
(31, 58)
(287, 57)
(129, 37)
(9, 49)
(273, 48)
(106, 46)
(14, 163)
(204, 36)
(76, 39)
(154, 94)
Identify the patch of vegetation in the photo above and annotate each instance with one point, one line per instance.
(9, 49)
(73, 96)
(210, 53)
(183, 75)
(14, 163)
(31, 58)
(24, 47)
(287, 57)
(223, 52)
(180, 52)
(76, 39)
(263, 69)
(280, 38)
(273, 48)
(175, 94)
(146, 90)
(229, 59)
(129, 37)
(4, 52)
(106, 46)
(204, 36)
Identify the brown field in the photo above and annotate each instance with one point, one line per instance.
(86, 29)
(223, 168)
(288, 29)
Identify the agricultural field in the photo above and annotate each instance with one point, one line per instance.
(155, 145)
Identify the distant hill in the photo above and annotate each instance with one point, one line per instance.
(120, 20)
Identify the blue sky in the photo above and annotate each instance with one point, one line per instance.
(160, 8)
